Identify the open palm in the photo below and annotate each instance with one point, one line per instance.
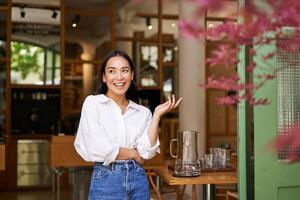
(168, 106)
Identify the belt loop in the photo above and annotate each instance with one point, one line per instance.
(112, 166)
(134, 164)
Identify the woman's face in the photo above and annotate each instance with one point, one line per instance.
(117, 76)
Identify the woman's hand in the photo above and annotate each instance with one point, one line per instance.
(168, 106)
(136, 156)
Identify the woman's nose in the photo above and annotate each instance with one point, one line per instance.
(119, 75)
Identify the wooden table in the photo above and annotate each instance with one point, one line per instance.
(207, 179)
(64, 159)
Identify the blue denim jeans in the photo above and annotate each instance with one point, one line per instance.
(121, 180)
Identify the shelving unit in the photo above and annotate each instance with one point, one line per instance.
(77, 52)
(224, 116)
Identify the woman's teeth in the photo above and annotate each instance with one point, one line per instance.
(119, 84)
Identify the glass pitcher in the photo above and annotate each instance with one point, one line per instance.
(187, 162)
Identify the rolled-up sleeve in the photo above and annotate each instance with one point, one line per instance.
(144, 147)
(91, 142)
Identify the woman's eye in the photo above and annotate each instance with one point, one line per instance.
(111, 71)
(125, 70)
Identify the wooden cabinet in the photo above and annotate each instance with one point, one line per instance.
(4, 63)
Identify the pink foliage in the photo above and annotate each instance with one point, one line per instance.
(289, 138)
(228, 100)
(190, 29)
(226, 83)
(257, 21)
(251, 67)
(224, 56)
(208, 4)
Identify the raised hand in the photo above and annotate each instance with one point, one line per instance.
(168, 106)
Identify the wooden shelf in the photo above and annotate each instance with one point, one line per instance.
(224, 19)
(73, 78)
(27, 86)
(34, 5)
(170, 64)
(31, 136)
(163, 16)
(3, 8)
(79, 61)
(148, 88)
(3, 60)
(75, 111)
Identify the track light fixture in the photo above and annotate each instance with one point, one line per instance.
(75, 21)
(148, 23)
(22, 12)
(54, 14)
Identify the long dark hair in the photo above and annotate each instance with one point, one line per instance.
(102, 87)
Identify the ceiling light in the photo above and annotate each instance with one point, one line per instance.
(75, 21)
(148, 23)
(22, 12)
(54, 14)
(210, 25)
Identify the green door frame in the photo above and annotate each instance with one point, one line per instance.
(245, 130)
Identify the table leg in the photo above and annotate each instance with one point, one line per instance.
(58, 174)
(180, 192)
(194, 192)
(156, 189)
(58, 187)
(53, 180)
(209, 191)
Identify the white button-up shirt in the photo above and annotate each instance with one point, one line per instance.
(103, 129)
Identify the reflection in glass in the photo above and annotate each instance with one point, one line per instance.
(2, 87)
(170, 82)
(148, 65)
(2, 48)
(32, 64)
(170, 53)
(3, 35)
(3, 93)
(35, 46)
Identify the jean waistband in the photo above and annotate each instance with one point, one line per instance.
(119, 163)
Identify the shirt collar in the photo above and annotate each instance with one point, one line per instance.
(103, 99)
(134, 105)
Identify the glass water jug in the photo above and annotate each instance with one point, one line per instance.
(187, 162)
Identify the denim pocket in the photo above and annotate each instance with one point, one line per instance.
(140, 170)
(100, 172)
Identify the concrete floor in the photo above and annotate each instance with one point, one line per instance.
(77, 189)
(67, 195)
